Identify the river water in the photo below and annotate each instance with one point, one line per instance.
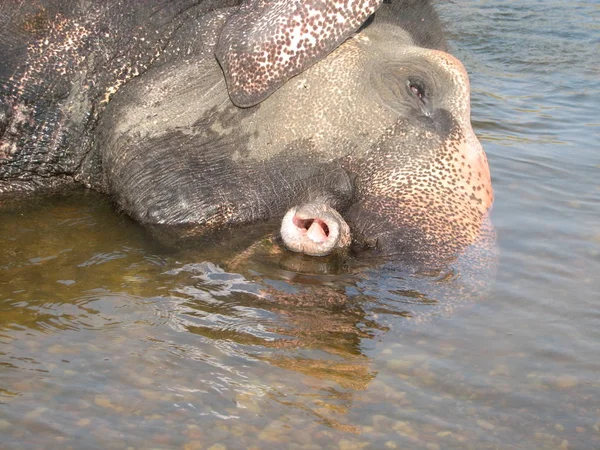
(110, 341)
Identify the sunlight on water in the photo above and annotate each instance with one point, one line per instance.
(110, 341)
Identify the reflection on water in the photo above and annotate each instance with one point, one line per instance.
(110, 341)
(98, 324)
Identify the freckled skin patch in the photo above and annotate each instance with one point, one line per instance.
(420, 192)
(58, 43)
(60, 65)
(267, 42)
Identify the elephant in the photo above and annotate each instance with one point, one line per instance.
(345, 123)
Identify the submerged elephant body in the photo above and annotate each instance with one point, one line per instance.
(366, 145)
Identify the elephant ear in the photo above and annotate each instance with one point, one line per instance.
(266, 42)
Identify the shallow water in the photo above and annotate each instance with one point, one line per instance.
(110, 341)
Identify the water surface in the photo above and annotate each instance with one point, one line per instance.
(111, 341)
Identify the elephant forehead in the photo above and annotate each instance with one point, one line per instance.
(459, 103)
(443, 66)
(446, 74)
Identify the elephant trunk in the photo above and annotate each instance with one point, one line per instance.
(314, 229)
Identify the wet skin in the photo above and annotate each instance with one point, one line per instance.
(374, 137)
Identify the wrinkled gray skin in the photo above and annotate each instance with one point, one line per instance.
(368, 145)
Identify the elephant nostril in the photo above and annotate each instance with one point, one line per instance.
(316, 229)
(322, 225)
(302, 223)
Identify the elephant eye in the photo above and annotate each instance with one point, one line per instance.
(417, 89)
